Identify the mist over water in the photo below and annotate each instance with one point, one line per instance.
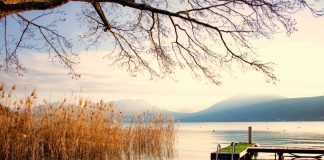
(195, 141)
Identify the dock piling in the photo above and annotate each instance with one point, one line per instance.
(250, 135)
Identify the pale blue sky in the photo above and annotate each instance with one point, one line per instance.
(299, 59)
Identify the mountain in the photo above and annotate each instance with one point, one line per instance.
(237, 102)
(130, 105)
(140, 106)
(126, 105)
(262, 109)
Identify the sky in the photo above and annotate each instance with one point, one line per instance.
(299, 66)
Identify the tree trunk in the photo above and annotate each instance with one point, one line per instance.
(8, 7)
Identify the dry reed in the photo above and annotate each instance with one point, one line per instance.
(82, 130)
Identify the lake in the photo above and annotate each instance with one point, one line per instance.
(195, 141)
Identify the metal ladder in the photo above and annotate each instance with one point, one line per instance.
(217, 150)
(233, 144)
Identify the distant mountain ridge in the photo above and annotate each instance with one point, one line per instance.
(264, 109)
(238, 102)
(237, 109)
(130, 105)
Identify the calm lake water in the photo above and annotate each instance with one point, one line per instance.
(195, 141)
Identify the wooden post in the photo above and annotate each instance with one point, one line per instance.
(250, 135)
(280, 156)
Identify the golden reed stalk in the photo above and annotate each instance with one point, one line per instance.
(82, 130)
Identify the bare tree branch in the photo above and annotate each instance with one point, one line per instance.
(158, 36)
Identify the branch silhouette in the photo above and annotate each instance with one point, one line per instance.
(159, 36)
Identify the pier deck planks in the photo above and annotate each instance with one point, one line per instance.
(290, 150)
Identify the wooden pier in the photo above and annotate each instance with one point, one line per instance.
(280, 151)
(292, 151)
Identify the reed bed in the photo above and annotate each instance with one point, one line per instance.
(79, 130)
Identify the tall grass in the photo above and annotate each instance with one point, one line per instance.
(79, 130)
